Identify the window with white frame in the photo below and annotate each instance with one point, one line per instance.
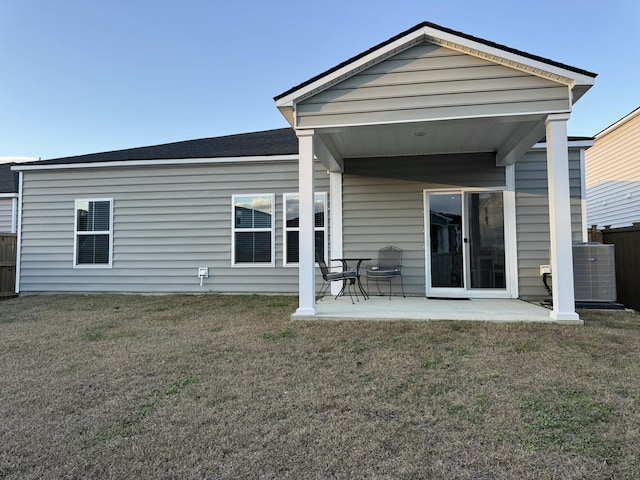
(292, 226)
(93, 232)
(253, 229)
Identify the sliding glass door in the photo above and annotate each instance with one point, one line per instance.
(465, 241)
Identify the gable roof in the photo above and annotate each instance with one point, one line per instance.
(282, 141)
(437, 29)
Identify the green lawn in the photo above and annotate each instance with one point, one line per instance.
(212, 387)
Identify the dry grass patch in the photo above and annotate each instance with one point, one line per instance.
(208, 387)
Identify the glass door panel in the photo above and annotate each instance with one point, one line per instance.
(446, 240)
(485, 216)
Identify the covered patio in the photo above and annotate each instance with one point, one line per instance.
(428, 100)
(381, 308)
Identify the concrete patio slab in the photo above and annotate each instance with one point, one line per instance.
(421, 308)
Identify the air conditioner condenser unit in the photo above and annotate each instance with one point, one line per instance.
(594, 272)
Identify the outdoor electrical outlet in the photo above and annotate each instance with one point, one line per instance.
(545, 269)
(203, 272)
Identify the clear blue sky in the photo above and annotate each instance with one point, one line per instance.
(81, 76)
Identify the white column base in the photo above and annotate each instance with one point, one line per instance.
(305, 312)
(566, 317)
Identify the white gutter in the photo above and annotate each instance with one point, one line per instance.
(570, 143)
(169, 161)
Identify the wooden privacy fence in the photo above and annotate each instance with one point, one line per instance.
(8, 243)
(627, 257)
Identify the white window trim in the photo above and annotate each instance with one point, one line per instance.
(285, 229)
(271, 229)
(93, 232)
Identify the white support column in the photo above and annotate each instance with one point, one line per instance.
(560, 219)
(510, 233)
(335, 214)
(306, 269)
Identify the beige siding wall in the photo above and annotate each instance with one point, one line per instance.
(613, 176)
(6, 215)
(383, 204)
(532, 217)
(168, 221)
(431, 82)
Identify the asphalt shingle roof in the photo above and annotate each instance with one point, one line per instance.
(282, 141)
(8, 179)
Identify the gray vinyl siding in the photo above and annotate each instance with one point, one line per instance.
(168, 221)
(532, 217)
(431, 82)
(6, 215)
(383, 204)
(613, 176)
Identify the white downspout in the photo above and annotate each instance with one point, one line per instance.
(14, 214)
(19, 231)
(583, 195)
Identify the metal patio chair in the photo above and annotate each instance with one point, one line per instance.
(389, 267)
(347, 277)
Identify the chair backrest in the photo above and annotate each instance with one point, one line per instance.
(323, 266)
(389, 257)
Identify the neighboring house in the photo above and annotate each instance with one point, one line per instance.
(8, 198)
(613, 174)
(429, 141)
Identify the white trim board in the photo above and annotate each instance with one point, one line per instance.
(169, 161)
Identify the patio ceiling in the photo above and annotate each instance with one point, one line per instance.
(492, 134)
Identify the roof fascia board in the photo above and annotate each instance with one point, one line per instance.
(509, 59)
(448, 40)
(160, 162)
(571, 143)
(619, 123)
(352, 68)
(8, 195)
